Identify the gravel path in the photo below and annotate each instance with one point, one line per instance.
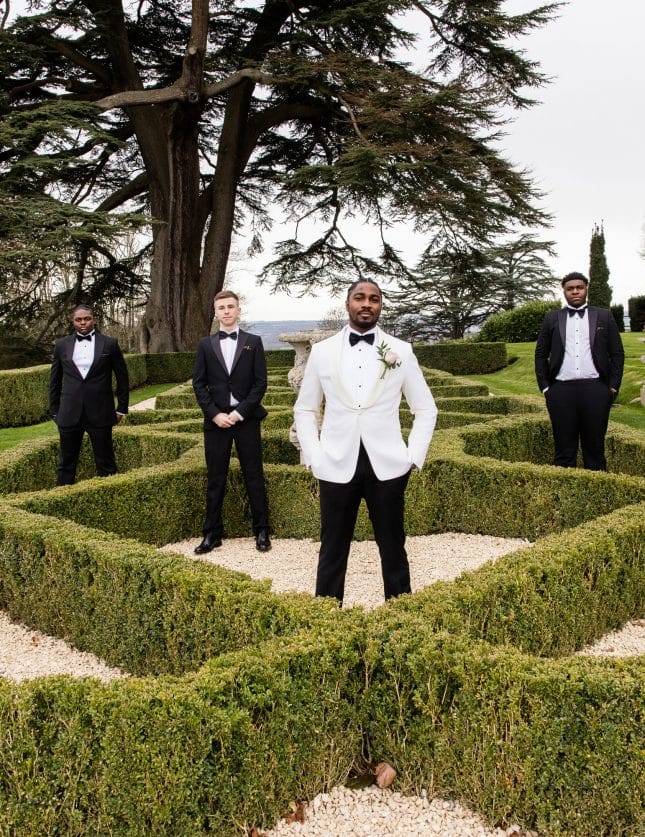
(291, 565)
(372, 812)
(26, 653)
(148, 404)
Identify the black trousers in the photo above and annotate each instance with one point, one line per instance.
(339, 503)
(218, 444)
(71, 439)
(579, 412)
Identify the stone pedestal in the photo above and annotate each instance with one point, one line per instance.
(301, 341)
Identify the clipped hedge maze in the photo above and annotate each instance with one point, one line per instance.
(242, 700)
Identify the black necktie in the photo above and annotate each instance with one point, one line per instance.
(579, 311)
(80, 337)
(356, 338)
(224, 334)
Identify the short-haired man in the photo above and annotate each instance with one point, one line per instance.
(359, 453)
(229, 380)
(579, 360)
(80, 394)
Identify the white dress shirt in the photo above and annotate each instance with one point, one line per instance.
(228, 347)
(83, 355)
(359, 367)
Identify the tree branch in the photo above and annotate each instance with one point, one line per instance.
(178, 92)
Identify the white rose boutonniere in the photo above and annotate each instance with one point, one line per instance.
(389, 359)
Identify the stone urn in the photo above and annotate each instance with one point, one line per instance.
(301, 341)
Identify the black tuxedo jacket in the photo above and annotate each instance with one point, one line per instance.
(606, 347)
(71, 396)
(247, 381)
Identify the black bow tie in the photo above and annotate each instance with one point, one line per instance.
(224, 334)
(80, 337)
(356, 338)
(579, 311)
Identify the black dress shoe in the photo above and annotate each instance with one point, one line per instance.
(209, 543)
(263, 541)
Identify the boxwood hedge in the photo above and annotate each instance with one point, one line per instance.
(244, 700)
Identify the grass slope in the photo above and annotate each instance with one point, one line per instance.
(519, 379)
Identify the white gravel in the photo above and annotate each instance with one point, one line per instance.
(291, 565)
(148, 404)
(627, 642)
(26, 654)
(372, 812)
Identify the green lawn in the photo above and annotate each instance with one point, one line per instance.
(11, 436)
(519, 379)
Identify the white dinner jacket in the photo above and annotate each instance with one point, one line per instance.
(332, 452)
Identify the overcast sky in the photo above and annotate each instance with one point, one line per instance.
(584, 143)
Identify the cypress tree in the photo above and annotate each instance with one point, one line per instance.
(599, 289)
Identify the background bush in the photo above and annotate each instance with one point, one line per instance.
(618, 312)
(467, 358)
(520, 325)
(636, 308)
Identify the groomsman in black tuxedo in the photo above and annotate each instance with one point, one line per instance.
(230, 378)
(80, 394)
(579, 360)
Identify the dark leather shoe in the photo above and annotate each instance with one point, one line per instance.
(263, 541)
(209, 543)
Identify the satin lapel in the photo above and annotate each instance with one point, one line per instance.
(593, 324)
(337, 354)
(70, 342)
(217, 351)
(99, 343)
(562, 325)
(69, 355)
(242, 340)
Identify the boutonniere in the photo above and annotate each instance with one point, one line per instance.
(389, 359)
(247, 348)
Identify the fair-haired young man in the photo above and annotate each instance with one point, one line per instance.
(229, 380)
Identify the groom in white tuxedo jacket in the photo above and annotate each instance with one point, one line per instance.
(359, 452)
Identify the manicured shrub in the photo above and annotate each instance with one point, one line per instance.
(525, 741)
(23, 396)
(169, 367)
(520, 325)
(280, 358)
(618, 312)
(216, 753)
(636, 308)
(438, 683)
(462, 358)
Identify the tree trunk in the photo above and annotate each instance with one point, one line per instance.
(180, 306)
(232, 156)
(175, 317)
